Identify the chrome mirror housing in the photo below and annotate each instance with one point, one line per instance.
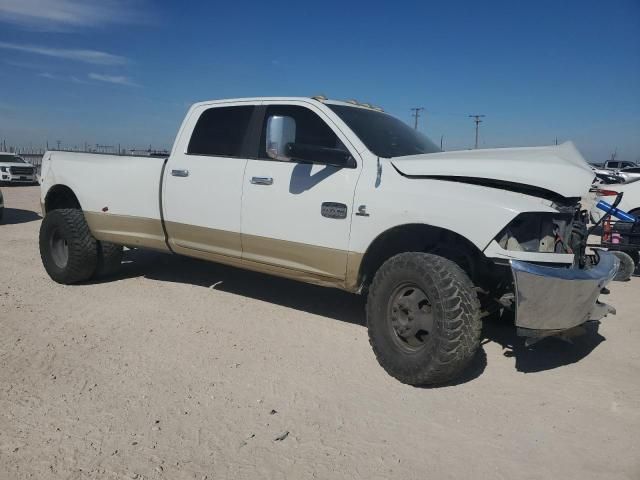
(281, 131)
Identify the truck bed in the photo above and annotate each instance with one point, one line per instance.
(118, 194)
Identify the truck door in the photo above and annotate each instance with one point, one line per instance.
(295, 214)
(203, 182)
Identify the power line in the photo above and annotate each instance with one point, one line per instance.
(416, 115)
(478, 122)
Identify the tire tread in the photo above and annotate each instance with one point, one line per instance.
(82, 259)
(460, 328)
(109, 259)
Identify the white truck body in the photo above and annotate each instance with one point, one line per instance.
(128, 187)
(318, 221)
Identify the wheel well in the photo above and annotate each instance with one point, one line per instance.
(419, 238)
(60, 196)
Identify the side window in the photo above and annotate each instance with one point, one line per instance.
(220, 131)
(310, 128)
(613, 165)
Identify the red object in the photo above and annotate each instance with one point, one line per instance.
(606, 193)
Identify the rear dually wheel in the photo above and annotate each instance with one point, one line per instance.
(67, 248)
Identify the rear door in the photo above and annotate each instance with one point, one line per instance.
(203, 182)
(297, 215)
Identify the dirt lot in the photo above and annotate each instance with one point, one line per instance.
(182, 369)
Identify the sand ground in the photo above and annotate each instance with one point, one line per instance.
(180, 369)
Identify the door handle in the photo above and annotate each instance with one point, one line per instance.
(180, 173)
(262, 180)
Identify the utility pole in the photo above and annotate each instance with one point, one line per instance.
(58, 142)
(441, 138)
(478, 122)
(416, 115)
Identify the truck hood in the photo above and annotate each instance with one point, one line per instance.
(559, 168)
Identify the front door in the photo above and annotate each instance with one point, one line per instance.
(202, 188)
(297, 215)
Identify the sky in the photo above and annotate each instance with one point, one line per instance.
(124, 72)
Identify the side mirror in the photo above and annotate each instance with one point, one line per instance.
(281, 131)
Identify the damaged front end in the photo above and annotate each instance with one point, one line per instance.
(550, 298)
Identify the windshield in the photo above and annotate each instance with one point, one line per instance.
(384, 135)
(11, 159)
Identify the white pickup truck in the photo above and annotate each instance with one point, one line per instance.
(344, 195)
(14, 169)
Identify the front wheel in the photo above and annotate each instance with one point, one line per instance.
(67, 248)
(423, 317)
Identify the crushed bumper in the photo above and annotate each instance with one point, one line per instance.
(550, 300)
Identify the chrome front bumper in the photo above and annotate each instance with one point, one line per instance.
(550, 300)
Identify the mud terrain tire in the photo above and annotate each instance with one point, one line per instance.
(423, 316)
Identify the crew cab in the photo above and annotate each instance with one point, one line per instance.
(14, 169)
(343, 195)
(618, 164)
